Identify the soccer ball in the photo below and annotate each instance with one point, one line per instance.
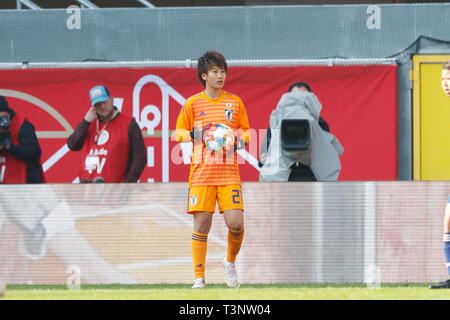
(219, 137)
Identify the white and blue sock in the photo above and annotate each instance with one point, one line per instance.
(447, 250)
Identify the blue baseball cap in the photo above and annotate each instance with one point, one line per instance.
(99, 94)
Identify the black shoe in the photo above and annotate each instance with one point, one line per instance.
(441, 285)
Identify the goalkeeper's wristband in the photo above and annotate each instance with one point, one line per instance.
(196, 135)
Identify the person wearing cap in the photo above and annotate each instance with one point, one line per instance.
(111, 143)
(20, 152)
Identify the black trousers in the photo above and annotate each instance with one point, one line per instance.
(300, 172)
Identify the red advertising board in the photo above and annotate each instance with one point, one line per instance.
(359, 104)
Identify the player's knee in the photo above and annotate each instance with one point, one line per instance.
(447, 212)
(447, 223)
(202, 226)
(202, 229)
(236, 226)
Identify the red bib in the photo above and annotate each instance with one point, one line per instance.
(13, 170)
(105, 150)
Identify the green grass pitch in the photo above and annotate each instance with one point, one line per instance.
(409, 291)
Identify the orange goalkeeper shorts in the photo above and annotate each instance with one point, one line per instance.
(229, 197)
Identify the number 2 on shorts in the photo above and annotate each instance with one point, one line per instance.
(236, 195)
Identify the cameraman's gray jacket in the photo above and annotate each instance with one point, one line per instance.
(322, 156)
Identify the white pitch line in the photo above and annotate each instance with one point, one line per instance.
(249, 158)
(165, 262)
(188, 221)
(144, 208)
(56, 157)
(87, 214)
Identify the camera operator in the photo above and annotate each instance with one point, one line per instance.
(20, 152)
(299, 171)
(20, 163)
(298, 145)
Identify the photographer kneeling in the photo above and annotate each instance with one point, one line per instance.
(20, 152)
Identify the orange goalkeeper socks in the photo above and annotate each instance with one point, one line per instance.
(234, 243)
(199, 247)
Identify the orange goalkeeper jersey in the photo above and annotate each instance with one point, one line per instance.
(200, 110)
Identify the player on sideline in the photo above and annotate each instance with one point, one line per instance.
(211, 180)
(445, 284)
(445, 81)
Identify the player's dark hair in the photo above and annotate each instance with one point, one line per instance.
(299, 84)
(208, 60)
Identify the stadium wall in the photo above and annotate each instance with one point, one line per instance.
(246, 33)
(295, 233)
(359, 105)
(255, 35)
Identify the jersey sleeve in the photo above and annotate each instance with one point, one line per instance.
(184, 124)
(244, 124)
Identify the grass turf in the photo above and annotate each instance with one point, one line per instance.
(348, 291)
